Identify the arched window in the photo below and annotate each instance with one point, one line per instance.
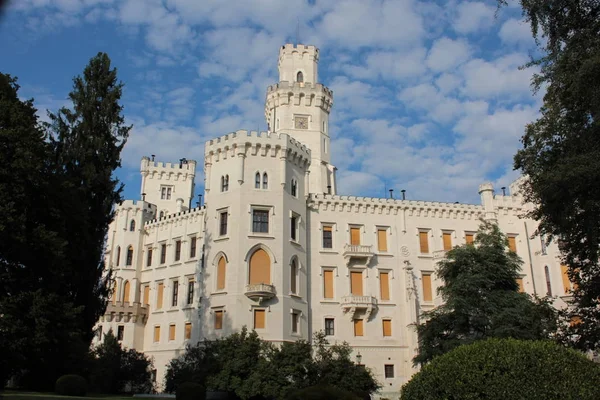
(294, 188)
(225, 183)
(162, 214)
(126, 288)
(294, 277)
(548, 284)
(129, 260)
(265, 181)
(132, 225)
(257, 181)
(299, 77)
(118, 257)
(260, 268)
(221, 273)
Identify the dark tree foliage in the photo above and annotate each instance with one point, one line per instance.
(561, 150)
(482, 299)
(87, 142)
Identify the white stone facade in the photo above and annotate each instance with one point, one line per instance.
(274, 247)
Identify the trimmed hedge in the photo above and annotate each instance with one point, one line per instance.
(71, 385)
(501, 369)
(322, 393)
(190, 391)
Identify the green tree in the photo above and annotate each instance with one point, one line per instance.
(87, 141)
(481, 299)
(499, 369)
(561, 150)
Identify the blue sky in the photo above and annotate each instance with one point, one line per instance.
(428, 96)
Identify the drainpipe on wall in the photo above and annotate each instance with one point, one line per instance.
(530, 258)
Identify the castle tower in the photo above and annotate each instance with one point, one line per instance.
(300, 107)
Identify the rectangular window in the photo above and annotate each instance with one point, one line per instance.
(156, 334)
(327, 237)
(169, 193)
(565, 278)
(520, 283)
(355, 236)
(389, 370)
(223, 223)
(384, 285)
(178, 250)
(356, 283)
(382, 239)
(387, 327)
(427, 289)
(295, 322)
(163, 253)
(447, 239)
(469, 238)
(259, 319)
(175, 293)
(424, 242)
(512, 243)
(190, 293)
(219, 319)
(328, 284)
(146, 295)
(172, 332)
(159, 297)
(329, 327)
(192, 247)
(120, 332)
(358, 327)
(293, 227)
(188, 330)
(260, 221)
(163, 193)
(149, 257)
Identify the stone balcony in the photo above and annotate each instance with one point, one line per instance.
(358, 251)
(260, 292)
(125, 312)
(439, 254)
(352, 304)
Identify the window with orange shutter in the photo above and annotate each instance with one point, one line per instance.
(358, 327)
(424, 242)
(384, 285)
(427, 289)
(328, 284)
(447, 238)
(512, 244)
(259, 319)
(219, 319)
(382, 239)
(172, 332)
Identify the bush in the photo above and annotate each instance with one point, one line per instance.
(500, 369)
(190, 391)
(71, 385)
(322, 393)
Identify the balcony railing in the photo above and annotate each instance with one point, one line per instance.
(352, 304)
(260, 291)
(126, 312)
(439, 254)
(358, 251)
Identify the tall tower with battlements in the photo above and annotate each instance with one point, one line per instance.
(299, 106)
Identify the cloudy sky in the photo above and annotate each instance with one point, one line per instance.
(428, 95)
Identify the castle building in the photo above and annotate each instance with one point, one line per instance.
(276, 249)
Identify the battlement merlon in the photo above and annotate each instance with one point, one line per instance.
(187, 166)
(298, 58)
(287, 93)
(137, 205)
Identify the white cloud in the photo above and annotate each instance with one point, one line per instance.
(446, 54)
(387, 65)
(473, 17)
(515, 32)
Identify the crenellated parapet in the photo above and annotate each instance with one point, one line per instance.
(287, 93)
(192, 214)
(168, 171)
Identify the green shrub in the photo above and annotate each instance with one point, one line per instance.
(322, 393)
(501, 369)
(71, 385)
(190, 391)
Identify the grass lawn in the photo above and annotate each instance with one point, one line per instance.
(16, 395)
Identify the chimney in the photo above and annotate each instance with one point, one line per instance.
(503, 190)
(153, 157)
(143, 196)
(391, 193)
(328, 189)
(403, 194)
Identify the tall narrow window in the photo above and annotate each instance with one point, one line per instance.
(294, 277)
(294, 228)
(358, 327)
(512, 244)
(469, 238)
(118, 257)
(355, 235)
(175, 295)
(294, 188)
(163, 253)
(548, 283)
(382, 239)
(190, 293)
(219, 319)
(356, 283)
(295, 322)
(384, 285)
(221, 273)
(257, 181)
(424, 242)
(299, 77)
(178, 250)
(387, 327)
(149, 257)
(223, 223)
(147, 295)
(188, 330)
(260, 268)
(224, 183)
(327, 237)
(120, 332)
(126, 290)
(265, 181)
(520, 283)
(129, 260)
(259, 319)
(427, 289)
(565, 278)
(192, 247)
(169, 193)
(329, 327)
(260, 221)
(328, 284)
(171, 332)
(156, 334)
(159, 296)
(447, 239)
(163, 193)
(132, 225)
